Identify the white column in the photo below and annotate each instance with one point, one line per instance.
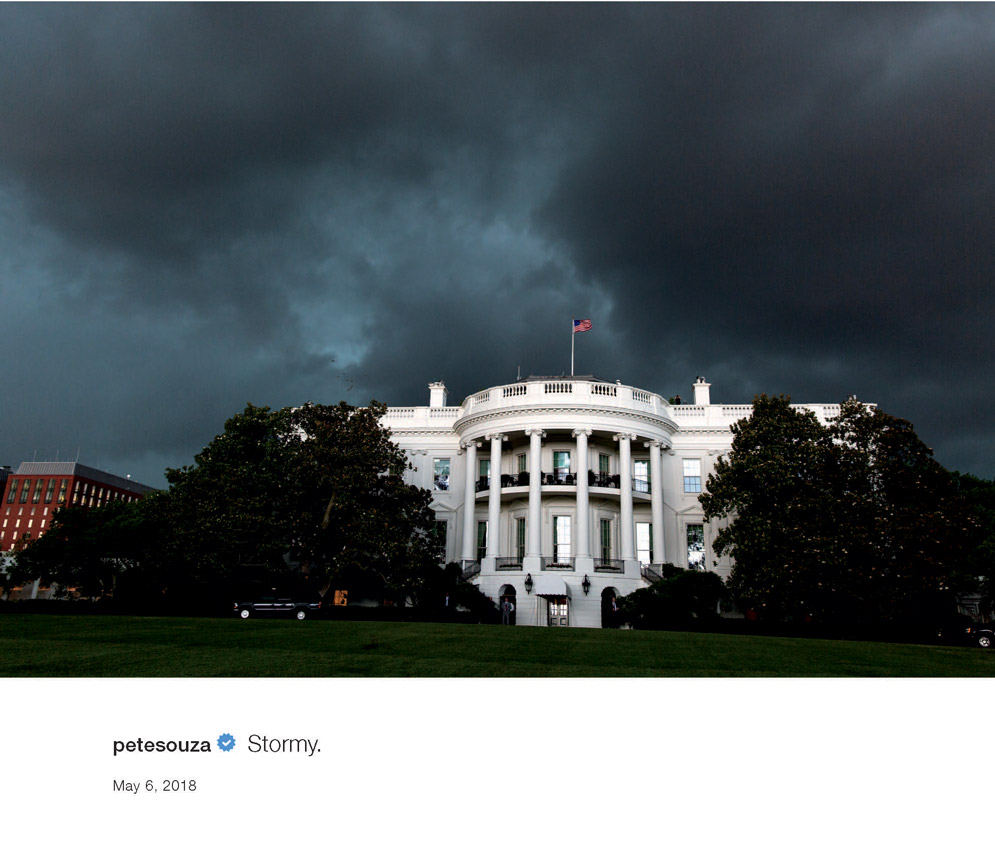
(470, 502)
(582, 541)
(533, 548)
(494, 499)
(656, 500)
(627, 527)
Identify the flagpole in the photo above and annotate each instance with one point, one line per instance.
(572, 333)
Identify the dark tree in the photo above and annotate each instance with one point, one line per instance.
(293, 496)
(854, 521)
(771, 486)
(680, 599)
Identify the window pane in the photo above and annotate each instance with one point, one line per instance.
(442, 473)
(644, 544)
(692, 476)
(641, 475)
(696, 546)
(561, 537)
(481, 540)
(561, 463)
(485, 467)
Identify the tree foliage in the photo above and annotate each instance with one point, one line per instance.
(681, 598)
(979, 564)
(853, 520)
(316, 490)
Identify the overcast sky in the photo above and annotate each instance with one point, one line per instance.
(203, 206)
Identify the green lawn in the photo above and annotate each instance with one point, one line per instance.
(75, 646)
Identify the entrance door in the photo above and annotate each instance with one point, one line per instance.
(557, 612)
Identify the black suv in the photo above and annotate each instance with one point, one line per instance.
(981, 635)
(277, 606)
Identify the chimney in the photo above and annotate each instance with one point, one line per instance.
(437, 394)
(700, 387)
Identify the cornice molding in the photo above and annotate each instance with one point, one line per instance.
(663, 423)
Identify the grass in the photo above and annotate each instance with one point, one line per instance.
(84, 646)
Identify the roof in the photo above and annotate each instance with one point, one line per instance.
(81, 471)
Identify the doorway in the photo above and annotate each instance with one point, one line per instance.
(508, 594)
(557, 611)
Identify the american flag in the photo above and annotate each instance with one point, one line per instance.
(582, 325)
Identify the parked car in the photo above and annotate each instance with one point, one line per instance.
(277, 606)
(982, 635)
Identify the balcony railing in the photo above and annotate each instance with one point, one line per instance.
(652, 571)
(606, 564)
(513, 480)
(601, 480)
(557, 563)
(508, 563)
(604, 480)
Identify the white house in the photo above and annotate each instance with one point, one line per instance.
(563, 493)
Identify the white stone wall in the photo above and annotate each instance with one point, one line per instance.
(565, 409)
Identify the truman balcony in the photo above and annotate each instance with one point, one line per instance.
(600, 484)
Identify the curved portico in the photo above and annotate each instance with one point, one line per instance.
(554, 472)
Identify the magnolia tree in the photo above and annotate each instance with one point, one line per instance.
(850, 521)
(317, 489)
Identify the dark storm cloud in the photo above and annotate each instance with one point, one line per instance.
(205, 205)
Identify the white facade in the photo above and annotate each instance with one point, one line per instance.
(565, 492)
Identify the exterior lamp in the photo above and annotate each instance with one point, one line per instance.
(528, 583)
(586, 584)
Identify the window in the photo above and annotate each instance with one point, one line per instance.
(13, 491)
(641, 475)
(520, 538)
(696, 547)
(561, 465)
(24, 491)
(561, 537)
(606, 539)
(441, 533)
(604, 464)
(692, 476)
(340, 598)
(441, 472)
(485, 468)
(37, 496)
(522, 463)
(62, 490)
(481, 540)
(644, 542)
(50, 491)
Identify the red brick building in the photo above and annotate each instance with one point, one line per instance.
(36, 490)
